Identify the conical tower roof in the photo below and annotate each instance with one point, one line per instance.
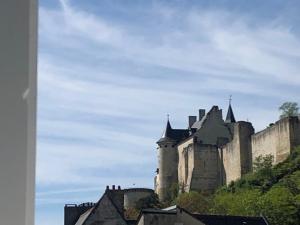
(167, 134)
(230, 116)
(168, 131)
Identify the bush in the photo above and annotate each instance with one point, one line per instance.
(279, 206)
(243, 203)
(193, 202)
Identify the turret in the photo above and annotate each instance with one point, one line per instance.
(168, 162)
(230, 116)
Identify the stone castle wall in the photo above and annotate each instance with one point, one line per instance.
(218, 153)
(277, 140)
(185, 163)
(133, 195)
(236, 155)
(205, 175)
(168, 170)
(198, 166)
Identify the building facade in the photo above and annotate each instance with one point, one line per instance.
(213, 151)
(109, 210)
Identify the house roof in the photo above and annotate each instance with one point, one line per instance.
(171, 134)
(210, 219)
(84, 216)
(198, 124)
(230, 220)
(115, 196)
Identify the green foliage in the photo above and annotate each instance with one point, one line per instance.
(174, 190)
(279, 206)
(271, 191)
(263, 163)
(242, 203)
(131, 213)
(289, 109)
(150, 201)
(193, 202)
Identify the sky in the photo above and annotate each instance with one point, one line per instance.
(110, 71)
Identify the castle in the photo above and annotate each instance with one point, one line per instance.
(209, 153)
(212, 151)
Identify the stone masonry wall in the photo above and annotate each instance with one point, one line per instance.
(205, 174)
(185, 163)
(198, 166)
(278, 139)
(132, 196)
(236, 155)
(168, 164)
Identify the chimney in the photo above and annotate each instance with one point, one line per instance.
(114, 187)
(192, 120)
(201, 113)
(107, 187)
(119, 187)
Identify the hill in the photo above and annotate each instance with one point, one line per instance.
(271, 191)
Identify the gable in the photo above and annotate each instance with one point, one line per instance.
(105, 213)
(212, 128)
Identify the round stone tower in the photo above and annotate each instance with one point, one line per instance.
(168, 163)
(133, 195)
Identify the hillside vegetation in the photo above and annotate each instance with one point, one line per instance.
(270, 191)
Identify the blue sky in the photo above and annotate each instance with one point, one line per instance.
(110, 71)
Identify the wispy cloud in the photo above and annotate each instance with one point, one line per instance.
(106, 84)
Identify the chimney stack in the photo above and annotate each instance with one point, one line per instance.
(201, 113)
(192, 120)
(114, 187)
(119, 187)
(107, 187)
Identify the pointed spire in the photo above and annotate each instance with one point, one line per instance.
(168, 130)
(230, 116)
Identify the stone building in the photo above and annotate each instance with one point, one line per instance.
(213, 151)
(109, 210)
(179, 216)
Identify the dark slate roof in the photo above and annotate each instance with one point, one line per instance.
(131, 222)
(117, 198)
(230, 116)
(157, 211)
(173, 134)
(198, 124)
(230, 220)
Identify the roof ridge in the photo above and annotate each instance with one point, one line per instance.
(97, 204)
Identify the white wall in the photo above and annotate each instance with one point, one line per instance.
(18, 54)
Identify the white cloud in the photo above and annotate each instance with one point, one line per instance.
(105, 86)
(208, 55)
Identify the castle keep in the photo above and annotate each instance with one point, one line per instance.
(213, 151)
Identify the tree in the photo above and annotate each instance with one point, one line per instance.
(289, 109)
(150, 201)
(279, 206)
(193, 202)
(243, 203)
(263, 162)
